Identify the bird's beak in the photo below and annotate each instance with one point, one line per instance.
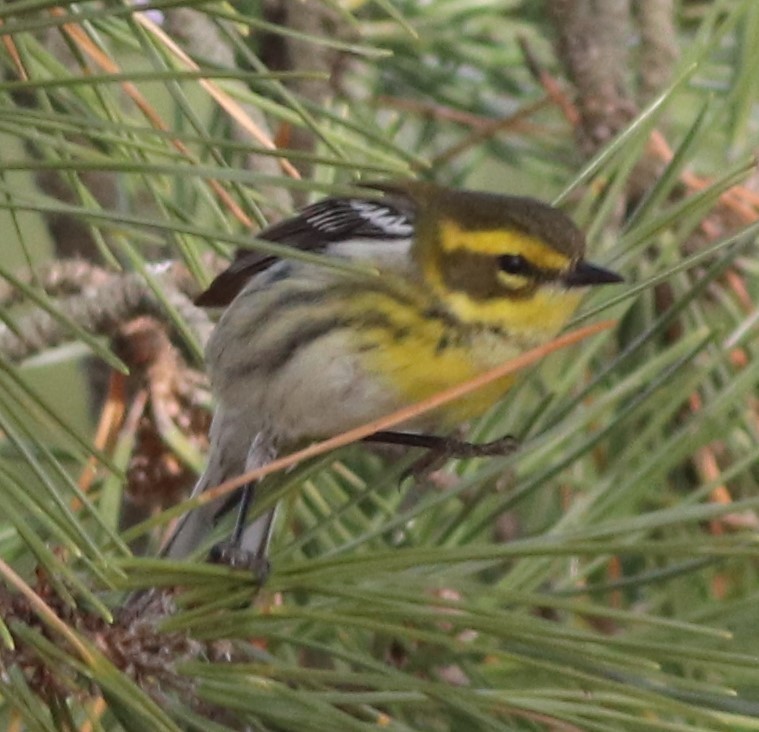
(585, 274)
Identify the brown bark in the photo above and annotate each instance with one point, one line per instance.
(592, 38)
(658, 45)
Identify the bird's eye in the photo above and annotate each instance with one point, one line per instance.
(514, 264)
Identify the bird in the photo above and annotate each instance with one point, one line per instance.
(441, 284)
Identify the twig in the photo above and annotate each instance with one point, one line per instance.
(56, 278)
(658, 45)
(591, 44)
(99, 310)
(550, 85)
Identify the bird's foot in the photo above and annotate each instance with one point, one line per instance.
(234, 556)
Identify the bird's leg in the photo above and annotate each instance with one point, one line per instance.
(451, 447)
(246, 549)
(232, 552)
(248, 544)
(442, 449)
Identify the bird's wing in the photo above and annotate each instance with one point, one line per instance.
(314, 229)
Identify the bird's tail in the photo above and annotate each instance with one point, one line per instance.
(235, 448)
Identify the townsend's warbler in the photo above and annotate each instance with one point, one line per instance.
(456, 283)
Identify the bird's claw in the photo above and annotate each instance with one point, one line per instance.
(234, 556)
(451, 448)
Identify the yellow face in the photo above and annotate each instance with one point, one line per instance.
(495, 276)
(502, 277)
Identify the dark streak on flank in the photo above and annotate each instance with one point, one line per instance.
(279, 354)
(298, 339)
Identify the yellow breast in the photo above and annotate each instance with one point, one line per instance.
(419, 353)
(417, 370)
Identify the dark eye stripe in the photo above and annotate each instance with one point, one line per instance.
(515, 264)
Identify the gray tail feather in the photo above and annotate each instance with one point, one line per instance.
(194, 527)
(256, 537)
(235, 448)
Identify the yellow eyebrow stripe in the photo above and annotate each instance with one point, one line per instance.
(495, 242)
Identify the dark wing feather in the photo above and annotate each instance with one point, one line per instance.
(313, 229)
